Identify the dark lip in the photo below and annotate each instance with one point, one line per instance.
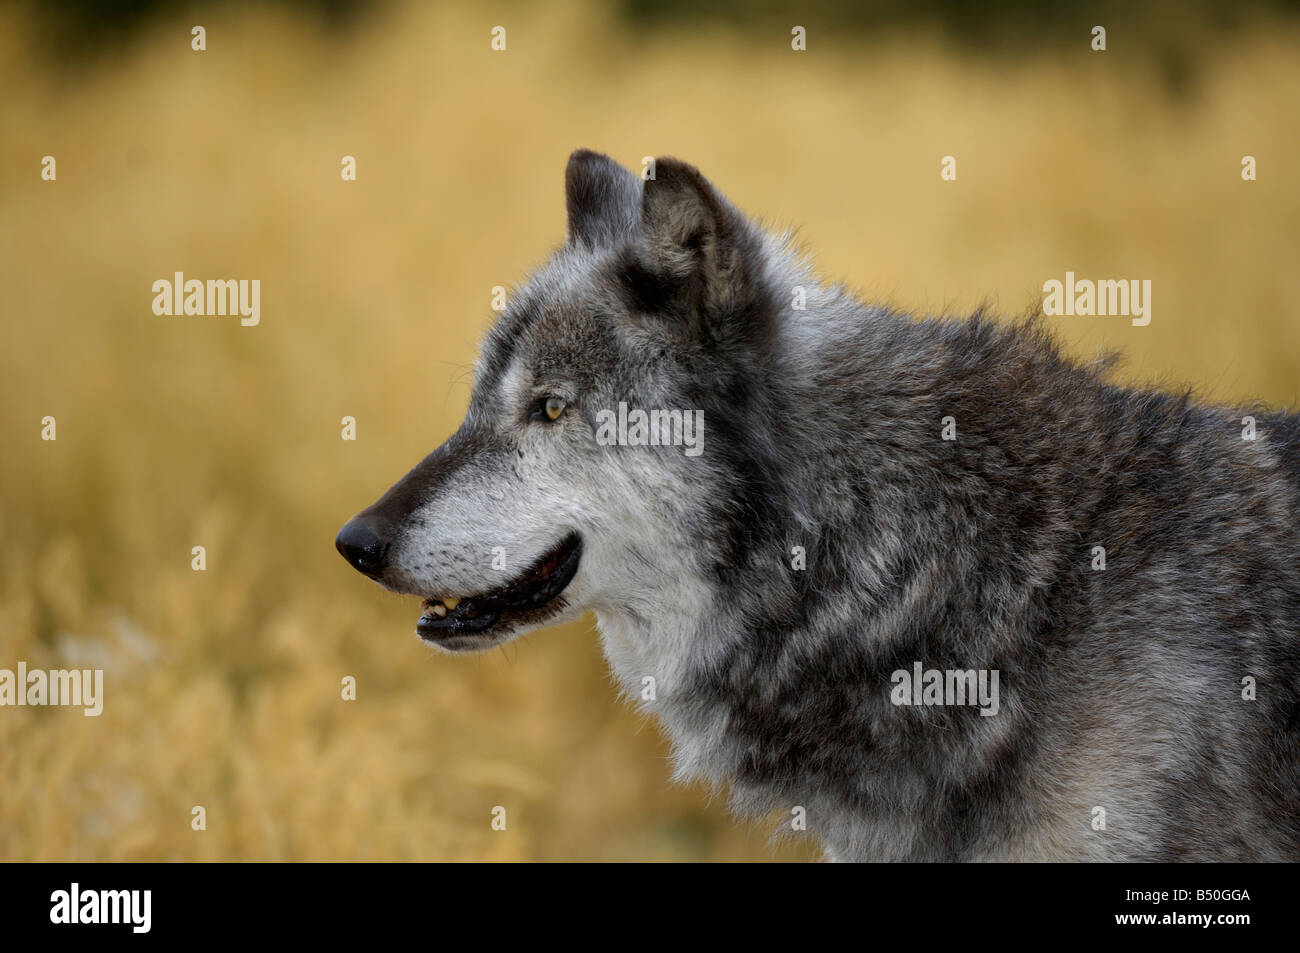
(529, 597)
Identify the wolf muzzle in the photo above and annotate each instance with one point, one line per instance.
(363, 548)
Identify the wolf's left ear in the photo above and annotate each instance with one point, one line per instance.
(603, 200)
(694, 241)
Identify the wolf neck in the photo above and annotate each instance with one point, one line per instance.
(937, 510)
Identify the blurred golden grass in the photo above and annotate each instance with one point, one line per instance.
(223, 687)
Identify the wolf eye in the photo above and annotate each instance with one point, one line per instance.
(548, 408)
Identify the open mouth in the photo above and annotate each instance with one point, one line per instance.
(528, 598)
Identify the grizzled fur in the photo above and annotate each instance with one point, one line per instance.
(1121, 688)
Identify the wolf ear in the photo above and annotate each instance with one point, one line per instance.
(603, 200)
(693, 240)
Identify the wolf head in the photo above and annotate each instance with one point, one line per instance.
(544, 504)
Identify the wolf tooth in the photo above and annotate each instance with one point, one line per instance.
(1119, 690)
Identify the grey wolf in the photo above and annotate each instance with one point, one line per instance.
(829, 536)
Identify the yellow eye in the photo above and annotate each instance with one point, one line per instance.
(554, 407)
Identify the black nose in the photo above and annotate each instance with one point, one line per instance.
(362, 547)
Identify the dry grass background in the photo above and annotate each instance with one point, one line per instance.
(223, 686)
